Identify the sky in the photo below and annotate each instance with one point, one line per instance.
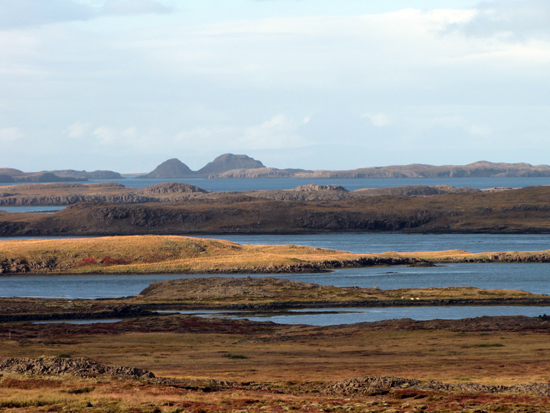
(315, 84)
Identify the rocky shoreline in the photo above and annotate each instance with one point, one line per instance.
(50, 266)
(253, 309)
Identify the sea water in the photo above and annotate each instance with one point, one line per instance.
(351, 184)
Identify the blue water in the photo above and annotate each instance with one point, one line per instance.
(217, 185)
(107, 320)
(529, 277)
(361, 315)
(335, 316)
(533, 278)
(363, 243)
(32, 208)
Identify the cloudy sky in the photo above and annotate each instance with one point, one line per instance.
(318, 84)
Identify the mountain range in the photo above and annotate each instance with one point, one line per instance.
(242, 166)
(174, 168)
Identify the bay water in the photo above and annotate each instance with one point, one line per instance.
(351, 184)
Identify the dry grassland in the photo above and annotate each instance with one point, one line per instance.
(146, 254)
(288, 364)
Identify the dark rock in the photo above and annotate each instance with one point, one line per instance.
(170, 188)
(313, 187)
(172, 168)
(6, 179)
(81, 367)
(228, 162)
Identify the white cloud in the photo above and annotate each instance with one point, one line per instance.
(9, 135)
(106, 136)
(77, 130)
(508, 19)
(130, 139)
(277, 132)
(377, 119)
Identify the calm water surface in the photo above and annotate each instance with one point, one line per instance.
(533, 278)
(217, 185)
(334, 316)
(32, 208)
(364, 243)
(361, 315)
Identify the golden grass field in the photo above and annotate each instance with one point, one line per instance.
(146, 254)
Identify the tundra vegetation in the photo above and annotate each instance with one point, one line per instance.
(185, 363)
(152, 254)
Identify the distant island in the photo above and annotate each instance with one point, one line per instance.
(174, 168)
(230, 166)
(242, 166)
(10, 175)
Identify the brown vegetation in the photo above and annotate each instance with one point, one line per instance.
(520, 210)
(175, 254)
(279, 368)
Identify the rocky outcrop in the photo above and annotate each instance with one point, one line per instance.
(80, 367)
(74, 199)
(313, 187)
(69, 194)
(228, 162)
(415, 190)
(365, 386)
(170, 169)
(257, 173)
(170, 188)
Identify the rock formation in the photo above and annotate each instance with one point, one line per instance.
(228, 162)
(170, 188)
(172, 168)
(81, 367)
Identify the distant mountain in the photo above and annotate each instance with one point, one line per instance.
(172, 168)
(228, 162)
(70, 173)
(481, 169)
(66, 175)
(5, 179)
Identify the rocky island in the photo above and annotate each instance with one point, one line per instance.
(176, 208)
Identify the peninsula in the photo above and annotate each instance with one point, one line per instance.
(182, 209)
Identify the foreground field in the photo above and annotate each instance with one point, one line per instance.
(217, 365)
(148, 254)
